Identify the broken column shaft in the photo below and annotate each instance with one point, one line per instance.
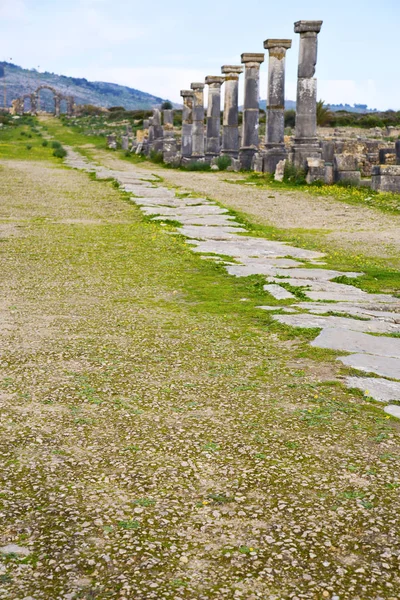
(251, 109)
(306, 142)
(275, 124)
(187, 120)
(198, 121)
(230, 132)
(213, 144)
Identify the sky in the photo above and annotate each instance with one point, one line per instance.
(160, 47)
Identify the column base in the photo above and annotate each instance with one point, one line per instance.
(305, 149)
(271, 158)
(231, 153)
(246, 156)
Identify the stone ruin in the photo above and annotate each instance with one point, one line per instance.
(18, 105)
(360, 158)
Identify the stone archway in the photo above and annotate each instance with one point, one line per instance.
(18, 103)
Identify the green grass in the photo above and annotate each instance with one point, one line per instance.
(20, 142)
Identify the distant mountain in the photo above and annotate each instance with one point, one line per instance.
(357, 108)
(19, 81)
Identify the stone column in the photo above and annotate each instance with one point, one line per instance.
(157, 131)
(230, 131)
(213, 143)
(275, 125)
(169, 142)
(34, 103)
(57, 104)
(187, 120)
(251, 109)
(198, 121)
(305, 141)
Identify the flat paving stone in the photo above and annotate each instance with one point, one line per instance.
(210, 232)
(356, 309)
(393, 410)
(198, 219)
(278, 292)
(354, 341)
(15, 549)
(369, 363)
(184, 211)
(379, 389)
(312, 321)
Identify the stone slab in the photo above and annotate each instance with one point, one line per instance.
(354, 341)
(366, 310)
(198, 219)
(278, 292)
(311, 321)
(209, 232)
(393, 410)
(184, 211)
(379, 389)
(369, 363)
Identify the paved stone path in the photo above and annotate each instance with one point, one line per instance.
(363, 324)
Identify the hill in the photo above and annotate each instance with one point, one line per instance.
(19, 81)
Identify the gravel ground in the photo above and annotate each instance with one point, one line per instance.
(158, 439)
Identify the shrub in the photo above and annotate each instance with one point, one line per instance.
(167, 105)
(60, 152)
(294, 175)
(45, 143)
(223, 162)
(197, 166)
(56, 145)
(156, 157)
(29, 147)
(324, 115)
(290, 118)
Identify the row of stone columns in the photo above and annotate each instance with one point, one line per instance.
(198, 146)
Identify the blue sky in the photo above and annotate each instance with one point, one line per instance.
(162, 46)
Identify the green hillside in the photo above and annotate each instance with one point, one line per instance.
(17, 82)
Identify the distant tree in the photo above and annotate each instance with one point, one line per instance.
(290, 118)
(324, 115)
(167, 105)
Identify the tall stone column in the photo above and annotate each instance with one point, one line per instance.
(187, 121)
(157, 130)
(34, 103)
(275, 126)
(169, 141)
(305, 141)
(230, 131)
(198, 121)
(251, 109)
(213, 143)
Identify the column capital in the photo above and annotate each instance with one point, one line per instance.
(252, 59)
(186, 93)
(307, 26)
(197, 86)
(231, 69)
(214, 79)
(275, 44)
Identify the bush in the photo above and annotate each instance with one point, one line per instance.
(290, 118)
(223, 162)
(56, 145)
(60, 152)
(197, 166)
(167, 105)
(28, 147)
(45, 143)
(294, 175)
(156, 157)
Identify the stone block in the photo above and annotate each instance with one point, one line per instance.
(398, 152)
(345, 162)
(328, 151)
(315, 170)
(280, 170)
(353, 177)
(329, 177)
(386, 178)
(387, 156)
(257, 163)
